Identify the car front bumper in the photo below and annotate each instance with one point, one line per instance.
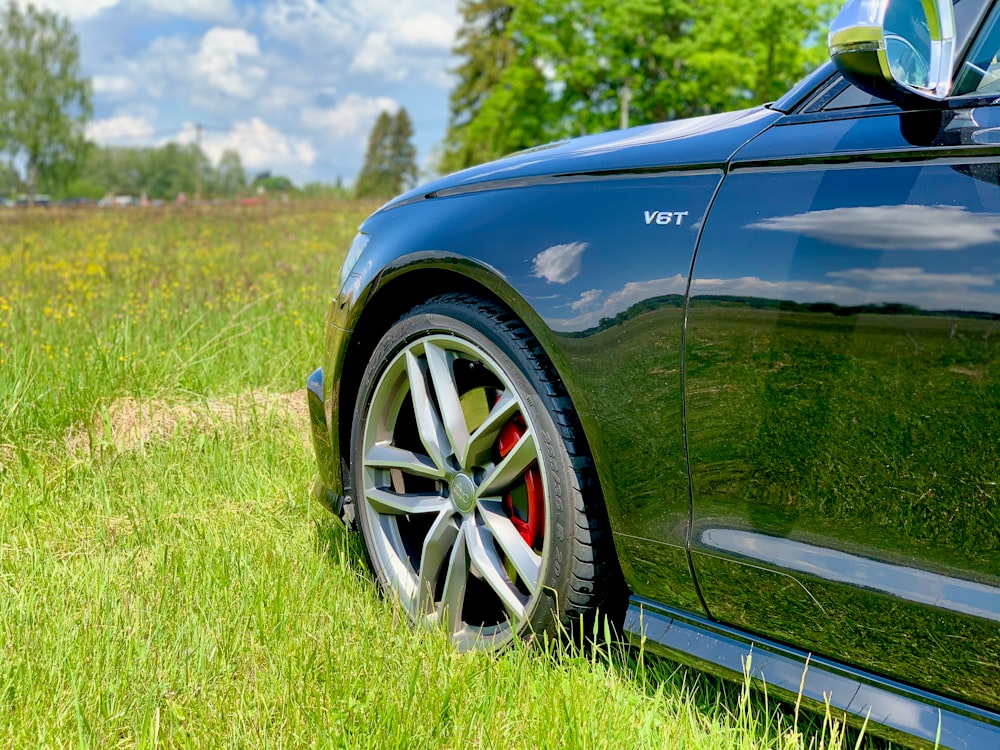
(328, 485)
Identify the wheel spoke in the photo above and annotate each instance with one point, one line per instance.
(432, 433)
(438, 542)
(453, 416)
(526, 562)
(387, 502)
(483, 556)
(485, 436)
(455, 583)
(382, 456)
(514, 464)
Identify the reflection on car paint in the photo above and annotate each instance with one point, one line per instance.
(842, 383)
(909, 228)
(912, 584)
(559, 264)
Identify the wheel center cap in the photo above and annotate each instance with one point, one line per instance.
(463, 492)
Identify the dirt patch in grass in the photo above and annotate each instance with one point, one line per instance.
(8, 455)
(130, 423)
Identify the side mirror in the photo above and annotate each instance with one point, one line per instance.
(900, 50)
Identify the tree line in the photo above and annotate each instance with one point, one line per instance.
(528, 72)
(169, 172)
(158, 173)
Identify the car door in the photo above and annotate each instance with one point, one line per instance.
(842, 387)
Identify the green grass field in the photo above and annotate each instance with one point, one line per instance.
(164, 577)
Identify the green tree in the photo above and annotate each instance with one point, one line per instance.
(499, 104)
(167, 171)
(229, 179)
(9, 181)
(748, 53)
(324, 190)
(391, 159)
(162, 172)
(569, 68)
(273, 184)
(44, 99)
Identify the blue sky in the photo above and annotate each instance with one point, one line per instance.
(294, 85)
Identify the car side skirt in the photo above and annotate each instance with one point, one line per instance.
(899, 712)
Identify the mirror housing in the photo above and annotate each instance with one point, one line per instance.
(900, 50)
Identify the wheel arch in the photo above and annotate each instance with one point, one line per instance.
(402, 286)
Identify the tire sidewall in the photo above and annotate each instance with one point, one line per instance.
(535, 393)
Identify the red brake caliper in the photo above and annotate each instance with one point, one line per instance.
(530, 529)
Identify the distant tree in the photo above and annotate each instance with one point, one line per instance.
(391, 159)
(161, 172)
(273, 184)
(44, 99)
(228, 180)
(324, 191)
(116, 170)
(10, 181)
(167, 171)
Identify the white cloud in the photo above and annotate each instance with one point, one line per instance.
(560, 264)
(260, 145)
(911, 276)
(113, 87)
(121, 130)
(907, 285)
(798, 290)
(226, 60)
(406, 44)
(377, 56)
(154, 74)
(393, 40)
(310, 25)
(204, 10)
(636, 291)
(616, 302)
(905, 227)
(284, 98)
(77, 10)
(426, 31)
(351, 117)
(223, 66)
(587, 300)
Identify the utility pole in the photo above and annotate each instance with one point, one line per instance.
(625, 101)
(197, 163)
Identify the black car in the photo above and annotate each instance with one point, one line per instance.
(734, 379)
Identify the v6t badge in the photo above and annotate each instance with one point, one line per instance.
(665, 217)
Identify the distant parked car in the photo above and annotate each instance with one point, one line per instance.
(118, 201)
(37, 200)
(734, 380)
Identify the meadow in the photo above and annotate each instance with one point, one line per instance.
(165, 579)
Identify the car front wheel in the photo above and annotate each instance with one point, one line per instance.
(470, 480)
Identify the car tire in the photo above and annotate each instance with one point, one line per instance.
(474, 494)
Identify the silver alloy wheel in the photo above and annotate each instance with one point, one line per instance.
(443, 505)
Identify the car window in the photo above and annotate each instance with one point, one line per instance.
(852, 96)
(967, 12)
(980, 70)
